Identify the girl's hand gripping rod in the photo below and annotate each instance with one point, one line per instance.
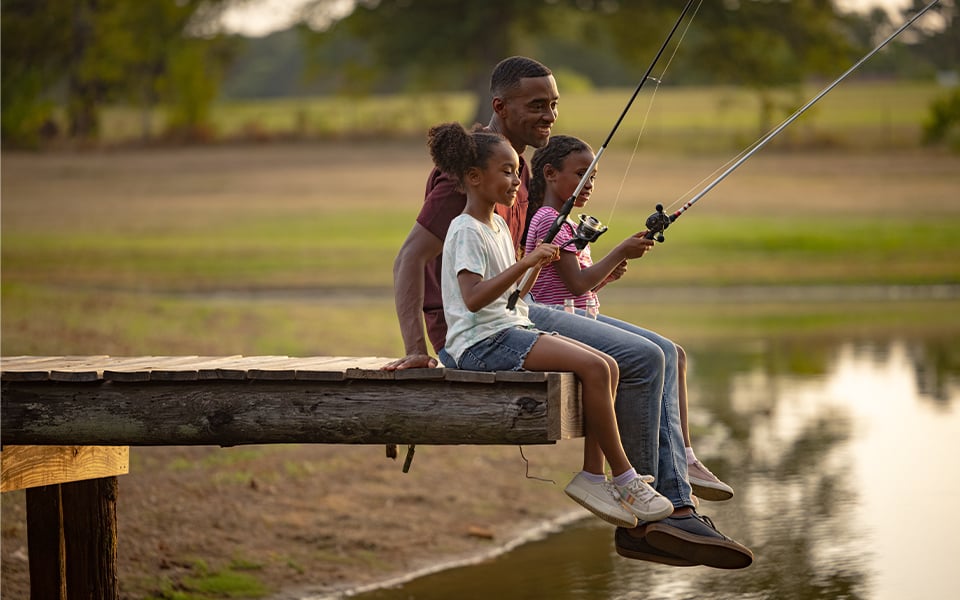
(568, 205)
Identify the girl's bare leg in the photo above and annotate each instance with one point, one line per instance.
(598, 374)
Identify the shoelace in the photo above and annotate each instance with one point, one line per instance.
(644, 492)
(611, 488)
(709, 522)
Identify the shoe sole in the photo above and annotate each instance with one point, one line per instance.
(704, 490)
(716, 553)
(673, 561)
(606, 517)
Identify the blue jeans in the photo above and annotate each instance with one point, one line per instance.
(648, 413)
(503, 351)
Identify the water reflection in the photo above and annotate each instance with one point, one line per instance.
(842, 457)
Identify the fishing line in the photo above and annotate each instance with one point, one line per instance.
(646, 116)
(659, 221)
(568, 205)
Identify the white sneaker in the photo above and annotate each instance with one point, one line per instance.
(602, 499)
(644, 501)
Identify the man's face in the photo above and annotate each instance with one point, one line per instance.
(529, 111)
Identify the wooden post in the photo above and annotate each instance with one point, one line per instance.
(90, 538)
(71, 494)
(48, 576)
(72, 540)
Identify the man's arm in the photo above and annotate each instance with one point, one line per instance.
(417, 251)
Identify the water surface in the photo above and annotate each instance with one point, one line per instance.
(843, 459)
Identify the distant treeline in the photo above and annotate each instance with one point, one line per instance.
(65, 61)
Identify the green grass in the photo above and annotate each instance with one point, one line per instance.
(288, 248)
(234, 581)
(855, 114)
(701, 250)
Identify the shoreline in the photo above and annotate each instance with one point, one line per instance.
(298, 522)
(530, 534)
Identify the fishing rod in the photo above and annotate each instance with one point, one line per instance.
(659, 220)
(568, 205)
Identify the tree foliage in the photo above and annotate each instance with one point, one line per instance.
(81, 54)
(62, 60)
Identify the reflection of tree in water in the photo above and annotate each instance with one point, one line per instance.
(936, 366)
(794, 494)
(795, 511)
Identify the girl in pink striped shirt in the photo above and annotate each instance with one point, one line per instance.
(556, 170)
(554, 174)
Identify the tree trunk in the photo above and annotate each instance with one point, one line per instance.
(81, 87)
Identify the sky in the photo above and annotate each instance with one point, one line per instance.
(261, 17)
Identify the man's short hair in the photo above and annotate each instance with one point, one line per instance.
(509, 71)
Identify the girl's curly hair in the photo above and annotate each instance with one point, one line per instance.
(455, 150)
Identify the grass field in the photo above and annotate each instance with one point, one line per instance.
(288, 248)
(863, 115)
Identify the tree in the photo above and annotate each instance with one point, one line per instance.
(30, 65)
(760, 44)
(435, 41)
(81, 54)
(176, 61)
(939, 40)
(765, 45)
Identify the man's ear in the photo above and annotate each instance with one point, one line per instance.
(499, 105)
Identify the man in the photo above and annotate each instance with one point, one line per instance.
(525, 99)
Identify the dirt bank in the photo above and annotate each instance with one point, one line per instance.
(292, 521)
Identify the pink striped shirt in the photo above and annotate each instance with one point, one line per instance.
(549, 288)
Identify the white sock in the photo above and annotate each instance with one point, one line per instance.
(594, 477)
(625, 477)
(691, 457)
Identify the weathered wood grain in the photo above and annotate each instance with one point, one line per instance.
(147, 401)
(34, 466)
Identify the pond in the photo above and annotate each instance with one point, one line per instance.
(842, 456)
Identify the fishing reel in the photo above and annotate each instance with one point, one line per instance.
(586, 232)
(656, 223)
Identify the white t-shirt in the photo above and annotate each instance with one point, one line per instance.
(487, 251)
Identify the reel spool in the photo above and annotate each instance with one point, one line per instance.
(587, 231)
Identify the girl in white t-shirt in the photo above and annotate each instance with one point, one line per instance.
(479, 272)
(556, 170)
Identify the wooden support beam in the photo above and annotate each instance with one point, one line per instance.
(535, 410)
(71, 496)
(233, 400)
(32, 466)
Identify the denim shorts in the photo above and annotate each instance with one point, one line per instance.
(503, 351)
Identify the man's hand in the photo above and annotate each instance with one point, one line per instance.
(411, 361)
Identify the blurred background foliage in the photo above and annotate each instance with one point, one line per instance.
(171, 65)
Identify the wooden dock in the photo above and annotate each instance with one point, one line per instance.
(66, 424)
(228, 401)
